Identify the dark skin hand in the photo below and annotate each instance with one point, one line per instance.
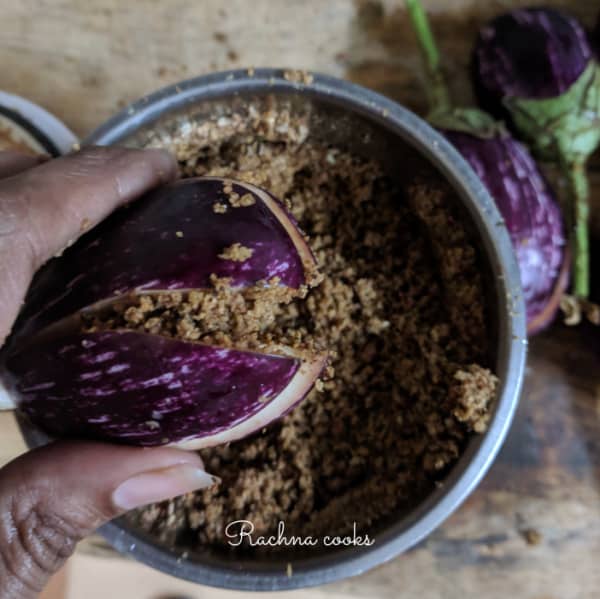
(52, 497)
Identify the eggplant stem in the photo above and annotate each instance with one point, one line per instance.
(578, 218)
(437, 90)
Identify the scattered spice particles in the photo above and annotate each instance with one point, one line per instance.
(575, 309)
(234, 199)
(532, 536)
(592, 312)
(242, 202)
(401, 310)
(298, 76)
(237, 253)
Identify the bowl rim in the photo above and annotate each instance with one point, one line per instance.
(512, 339)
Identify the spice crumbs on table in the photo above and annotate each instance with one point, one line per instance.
(298, 76)
(532, 536)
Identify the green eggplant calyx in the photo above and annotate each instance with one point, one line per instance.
(467, 120)
(566, 127)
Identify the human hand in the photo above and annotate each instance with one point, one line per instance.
(52, 497)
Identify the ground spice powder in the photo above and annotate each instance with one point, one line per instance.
(401, 309)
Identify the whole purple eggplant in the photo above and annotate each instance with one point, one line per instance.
(531, 53)
(531, 214)
(536, 66)
(513, 179)
(135, 387)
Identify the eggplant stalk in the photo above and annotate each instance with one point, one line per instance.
(578, 217)
(437, 90)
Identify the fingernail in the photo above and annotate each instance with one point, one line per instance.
(158, 485)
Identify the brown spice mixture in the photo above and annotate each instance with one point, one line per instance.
(402, 308)
(235, 199)
(237, 253)
(219, 208)
(244, 318)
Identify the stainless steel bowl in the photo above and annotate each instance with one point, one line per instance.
(371, 125)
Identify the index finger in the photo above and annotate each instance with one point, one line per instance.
(51, 205)
(45, 209)
(13, 163)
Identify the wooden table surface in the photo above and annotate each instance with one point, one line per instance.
(83, 60)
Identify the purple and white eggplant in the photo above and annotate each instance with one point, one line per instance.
(507, 169)
(536, 66)
(134, 387)
(171, 240)
(531, 214)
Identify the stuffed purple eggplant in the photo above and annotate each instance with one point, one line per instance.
(536, 66)
(507, 169)
(172, 240)
(117, 340)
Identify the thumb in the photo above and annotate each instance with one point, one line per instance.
(52, 497)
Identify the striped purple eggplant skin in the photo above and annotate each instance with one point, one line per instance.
(531, 214)
(141, 389)
(536, 68)
(171, 239)
(144, 389)
(529, 53)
